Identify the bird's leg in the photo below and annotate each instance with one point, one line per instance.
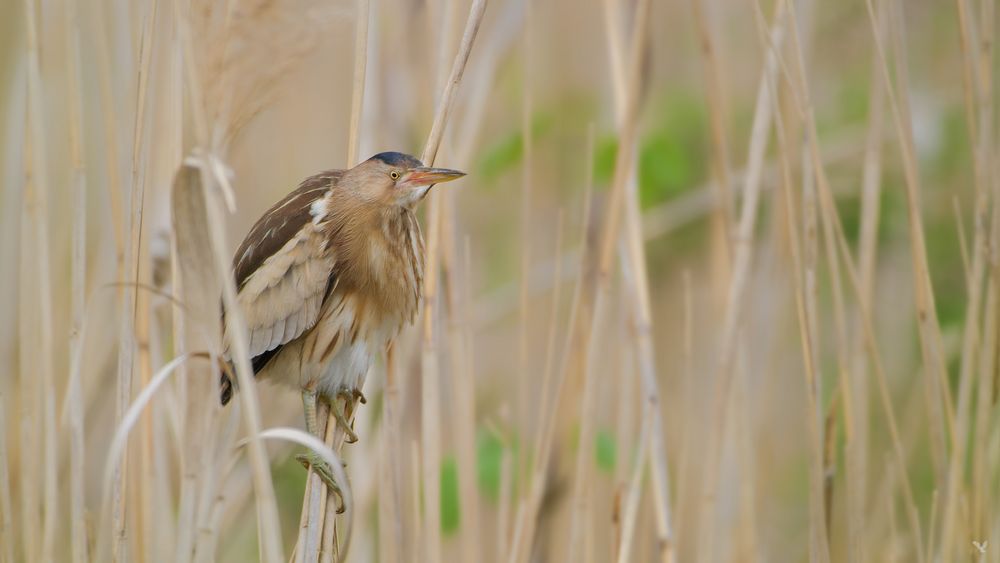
(339, 410)
(311, 460)
(309, 406)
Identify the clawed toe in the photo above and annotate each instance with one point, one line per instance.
(339, 412)
(322, 469)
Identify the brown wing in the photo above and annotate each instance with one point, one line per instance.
(283, 269)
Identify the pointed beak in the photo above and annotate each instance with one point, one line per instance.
(425, 176)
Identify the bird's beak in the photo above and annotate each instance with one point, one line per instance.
(425, 176)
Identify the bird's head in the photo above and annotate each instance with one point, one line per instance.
(392, 178)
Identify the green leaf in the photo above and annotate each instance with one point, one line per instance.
(451, 510)
(501, 156)
(604, 159)
(605, 450)
(489, 457)
(508, 152)
(672, 155)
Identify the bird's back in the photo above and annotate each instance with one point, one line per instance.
(280, 223)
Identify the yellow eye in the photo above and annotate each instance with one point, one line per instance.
(394, 175)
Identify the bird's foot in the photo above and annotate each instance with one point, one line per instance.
(322, 469)
(339, 412)
(358, 396)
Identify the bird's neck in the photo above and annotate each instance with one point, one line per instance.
(384, 251)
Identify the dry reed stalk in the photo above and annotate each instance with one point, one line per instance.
(634, 489)
(200, 198)
(314, 500)
(430, 391)
(389, 546)
(37, 214)
(10, 540)
(211, 496)
(188, 274)
(747, 532)
(458, 322)
(591, 297)
(201, 202)
(465, 413)
(396, 460)
(327, 454)
(541, 448)
(628, 419)
(889, 499)
(841, 398)
(445, 102)
(29, 392)
(430, 427)
(979, 104)
(113, 159)
(971, 86)
(154, 531)
(263, 487)
(856, 448)
(127, 321)
(418, 548)
(634, 261)
(213, 185)
(927, 322)
(74, 391)
(143, 478)
(831, 217)
(986, 450)
(985, 453)
(688, 395)
(523, 384)
(209, 428)
(592, 526)
(818, 486)
(582, 476)
(616, 56)
(329, 546)
(804, 283)
(483, 78)
(742, 253)
(642, 319)
(360, 67)
(7, 538)
(828, 208)
(196, 287)
(930, 333)
(443, 15)
(721, 170)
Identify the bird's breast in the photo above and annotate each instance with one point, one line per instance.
(394, 272)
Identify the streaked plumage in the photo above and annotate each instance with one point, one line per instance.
(332, 272)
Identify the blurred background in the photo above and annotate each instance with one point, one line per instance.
(787, 350)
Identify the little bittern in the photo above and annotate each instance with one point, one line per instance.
(329, 276)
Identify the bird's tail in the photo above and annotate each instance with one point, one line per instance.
(227, 381)
(225, 389)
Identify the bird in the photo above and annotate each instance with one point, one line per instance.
(328, 277)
